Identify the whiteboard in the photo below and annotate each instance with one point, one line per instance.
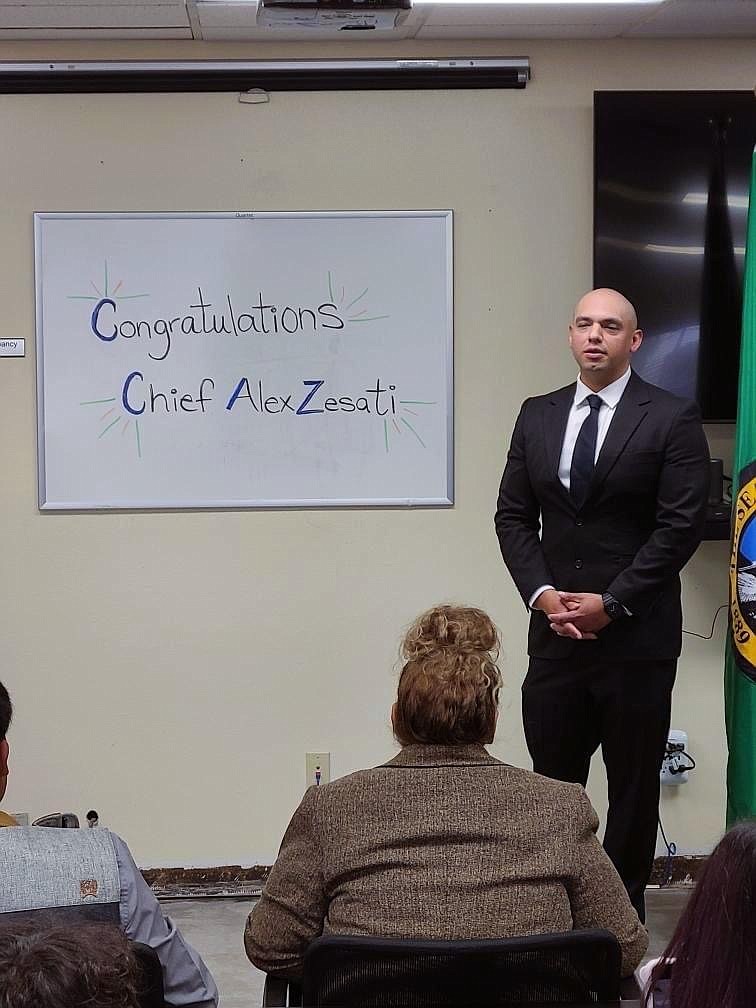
(190, 360)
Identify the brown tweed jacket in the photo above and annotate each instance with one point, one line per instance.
(441, 842)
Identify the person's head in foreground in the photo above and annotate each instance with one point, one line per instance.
(6, 714)
(449, 686)
(711, 958)
(87, 966)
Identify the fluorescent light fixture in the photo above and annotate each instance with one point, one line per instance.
(702, 198)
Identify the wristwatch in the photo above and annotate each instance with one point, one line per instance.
(612, 607)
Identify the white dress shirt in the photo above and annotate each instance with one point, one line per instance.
(579, 411)
(610, 397)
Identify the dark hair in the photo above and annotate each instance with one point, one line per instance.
(449, 687)
(6, 711)
(711, 958)
(59, 967)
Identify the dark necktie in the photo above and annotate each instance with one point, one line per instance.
(581, 469)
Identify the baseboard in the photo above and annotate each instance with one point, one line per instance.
(235, 881)
(680, 869)
(187, 883)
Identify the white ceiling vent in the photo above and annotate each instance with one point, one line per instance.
(358, 16)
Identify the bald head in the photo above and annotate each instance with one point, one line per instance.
(604, 334)
(624, 308)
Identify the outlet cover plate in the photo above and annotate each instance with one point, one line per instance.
(317, 767)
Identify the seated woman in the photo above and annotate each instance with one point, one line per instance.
(711, 960)
(443, 841)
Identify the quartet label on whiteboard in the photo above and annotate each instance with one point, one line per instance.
(244, 360)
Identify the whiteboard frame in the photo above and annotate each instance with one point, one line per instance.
(244, 505)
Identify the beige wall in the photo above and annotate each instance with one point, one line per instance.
(172, 669)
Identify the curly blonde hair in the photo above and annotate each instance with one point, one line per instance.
(449, 686)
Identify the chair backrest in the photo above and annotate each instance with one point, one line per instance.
(58, 868)
(279, 992)
(575, 967)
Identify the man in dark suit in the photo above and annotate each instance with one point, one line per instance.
(614, 474)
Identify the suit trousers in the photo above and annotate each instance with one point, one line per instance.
(571, 707)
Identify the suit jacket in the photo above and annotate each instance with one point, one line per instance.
(441, 842)
(642, 520)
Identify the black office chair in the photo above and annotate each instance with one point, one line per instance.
(574, 967)
(151, 993)
(278, 992)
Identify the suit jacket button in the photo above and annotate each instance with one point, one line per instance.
(578, 564)
(579, 523)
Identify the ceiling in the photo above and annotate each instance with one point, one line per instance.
(235, 20)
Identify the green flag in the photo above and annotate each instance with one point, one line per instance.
(740, 657)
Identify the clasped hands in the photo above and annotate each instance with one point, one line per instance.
(579, 615)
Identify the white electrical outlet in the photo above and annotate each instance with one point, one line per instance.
(676, 763)
(318, 767)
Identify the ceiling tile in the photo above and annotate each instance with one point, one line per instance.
(526, 31)
(700, 18)
(69, 34)
(617, 16)
(100, 15)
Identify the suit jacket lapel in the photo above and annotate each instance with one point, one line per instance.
(555, 423)
(628, 415)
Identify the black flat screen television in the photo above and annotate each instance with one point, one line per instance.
(671, 177)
